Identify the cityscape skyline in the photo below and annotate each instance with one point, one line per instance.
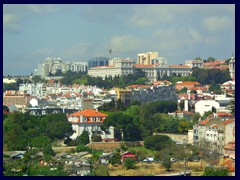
(80, 32)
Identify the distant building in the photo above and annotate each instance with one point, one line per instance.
(19, 100)
(116, 67)
(203, 106)
(147, 58)
(51, 65)
(98, 61)
(194, 63)
(232, 67)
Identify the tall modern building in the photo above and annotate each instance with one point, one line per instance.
(98, 61)
(146, 58)
(232, 67)
(51, 65)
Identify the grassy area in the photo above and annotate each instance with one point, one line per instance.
(144, 169)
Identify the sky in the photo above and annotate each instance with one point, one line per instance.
(79, 32)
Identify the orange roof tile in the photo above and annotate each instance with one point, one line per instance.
(89, 113)
(227, 121)
(229, 163)
(222, 114)
(204, 122)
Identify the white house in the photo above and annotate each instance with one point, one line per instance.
(203, 106)
(90, 120)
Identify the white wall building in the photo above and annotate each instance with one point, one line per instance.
(90, 120)
(203, 106)
(117, 67)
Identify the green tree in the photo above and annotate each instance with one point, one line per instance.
(167, 164)
(48, 151)
(210, 59)
(115, 159)
(83, 138)
(40, 142)
(157, 142)
(195, 118)
(130, 163)
(211, 171)
(101, 170)
(198, 58)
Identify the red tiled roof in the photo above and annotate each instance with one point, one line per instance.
(89, 113)
(229, 163)
(222, 114)
(138, 86)
(227, 121)
(204, 122)
(161, 82)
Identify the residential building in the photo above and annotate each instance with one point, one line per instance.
(147, 58)
(181, 114)
(89, 120)
(226, 130)
(229, 150)
(45, 111)
(194, 63)
(146, 93)
(19, 100)
(203, 106)
(180, 85)
(51, 65)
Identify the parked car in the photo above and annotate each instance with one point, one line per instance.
(196, 159)
(150, 159)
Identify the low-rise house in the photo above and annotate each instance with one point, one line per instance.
(182, 114)
(230, 165)
(229, 150)
(89, 120)
(104, 158)
(128, 155)
(45, 111)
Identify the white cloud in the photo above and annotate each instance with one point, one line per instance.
(15, 14)
(196, 36)
(217, 23)
(11, 22)
(121, 44)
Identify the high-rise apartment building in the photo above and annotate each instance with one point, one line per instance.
(51, 65)
(98, 61)
(232, 67)
(146, 58)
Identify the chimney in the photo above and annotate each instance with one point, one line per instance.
(96, 109)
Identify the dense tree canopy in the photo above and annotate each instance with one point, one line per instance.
(20, 130)
(211, 76)
(157, 142)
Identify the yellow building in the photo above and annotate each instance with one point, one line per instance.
(146, 58)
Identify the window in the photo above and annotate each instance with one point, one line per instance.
(85, 119)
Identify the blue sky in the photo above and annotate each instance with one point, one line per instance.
(78, 32)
